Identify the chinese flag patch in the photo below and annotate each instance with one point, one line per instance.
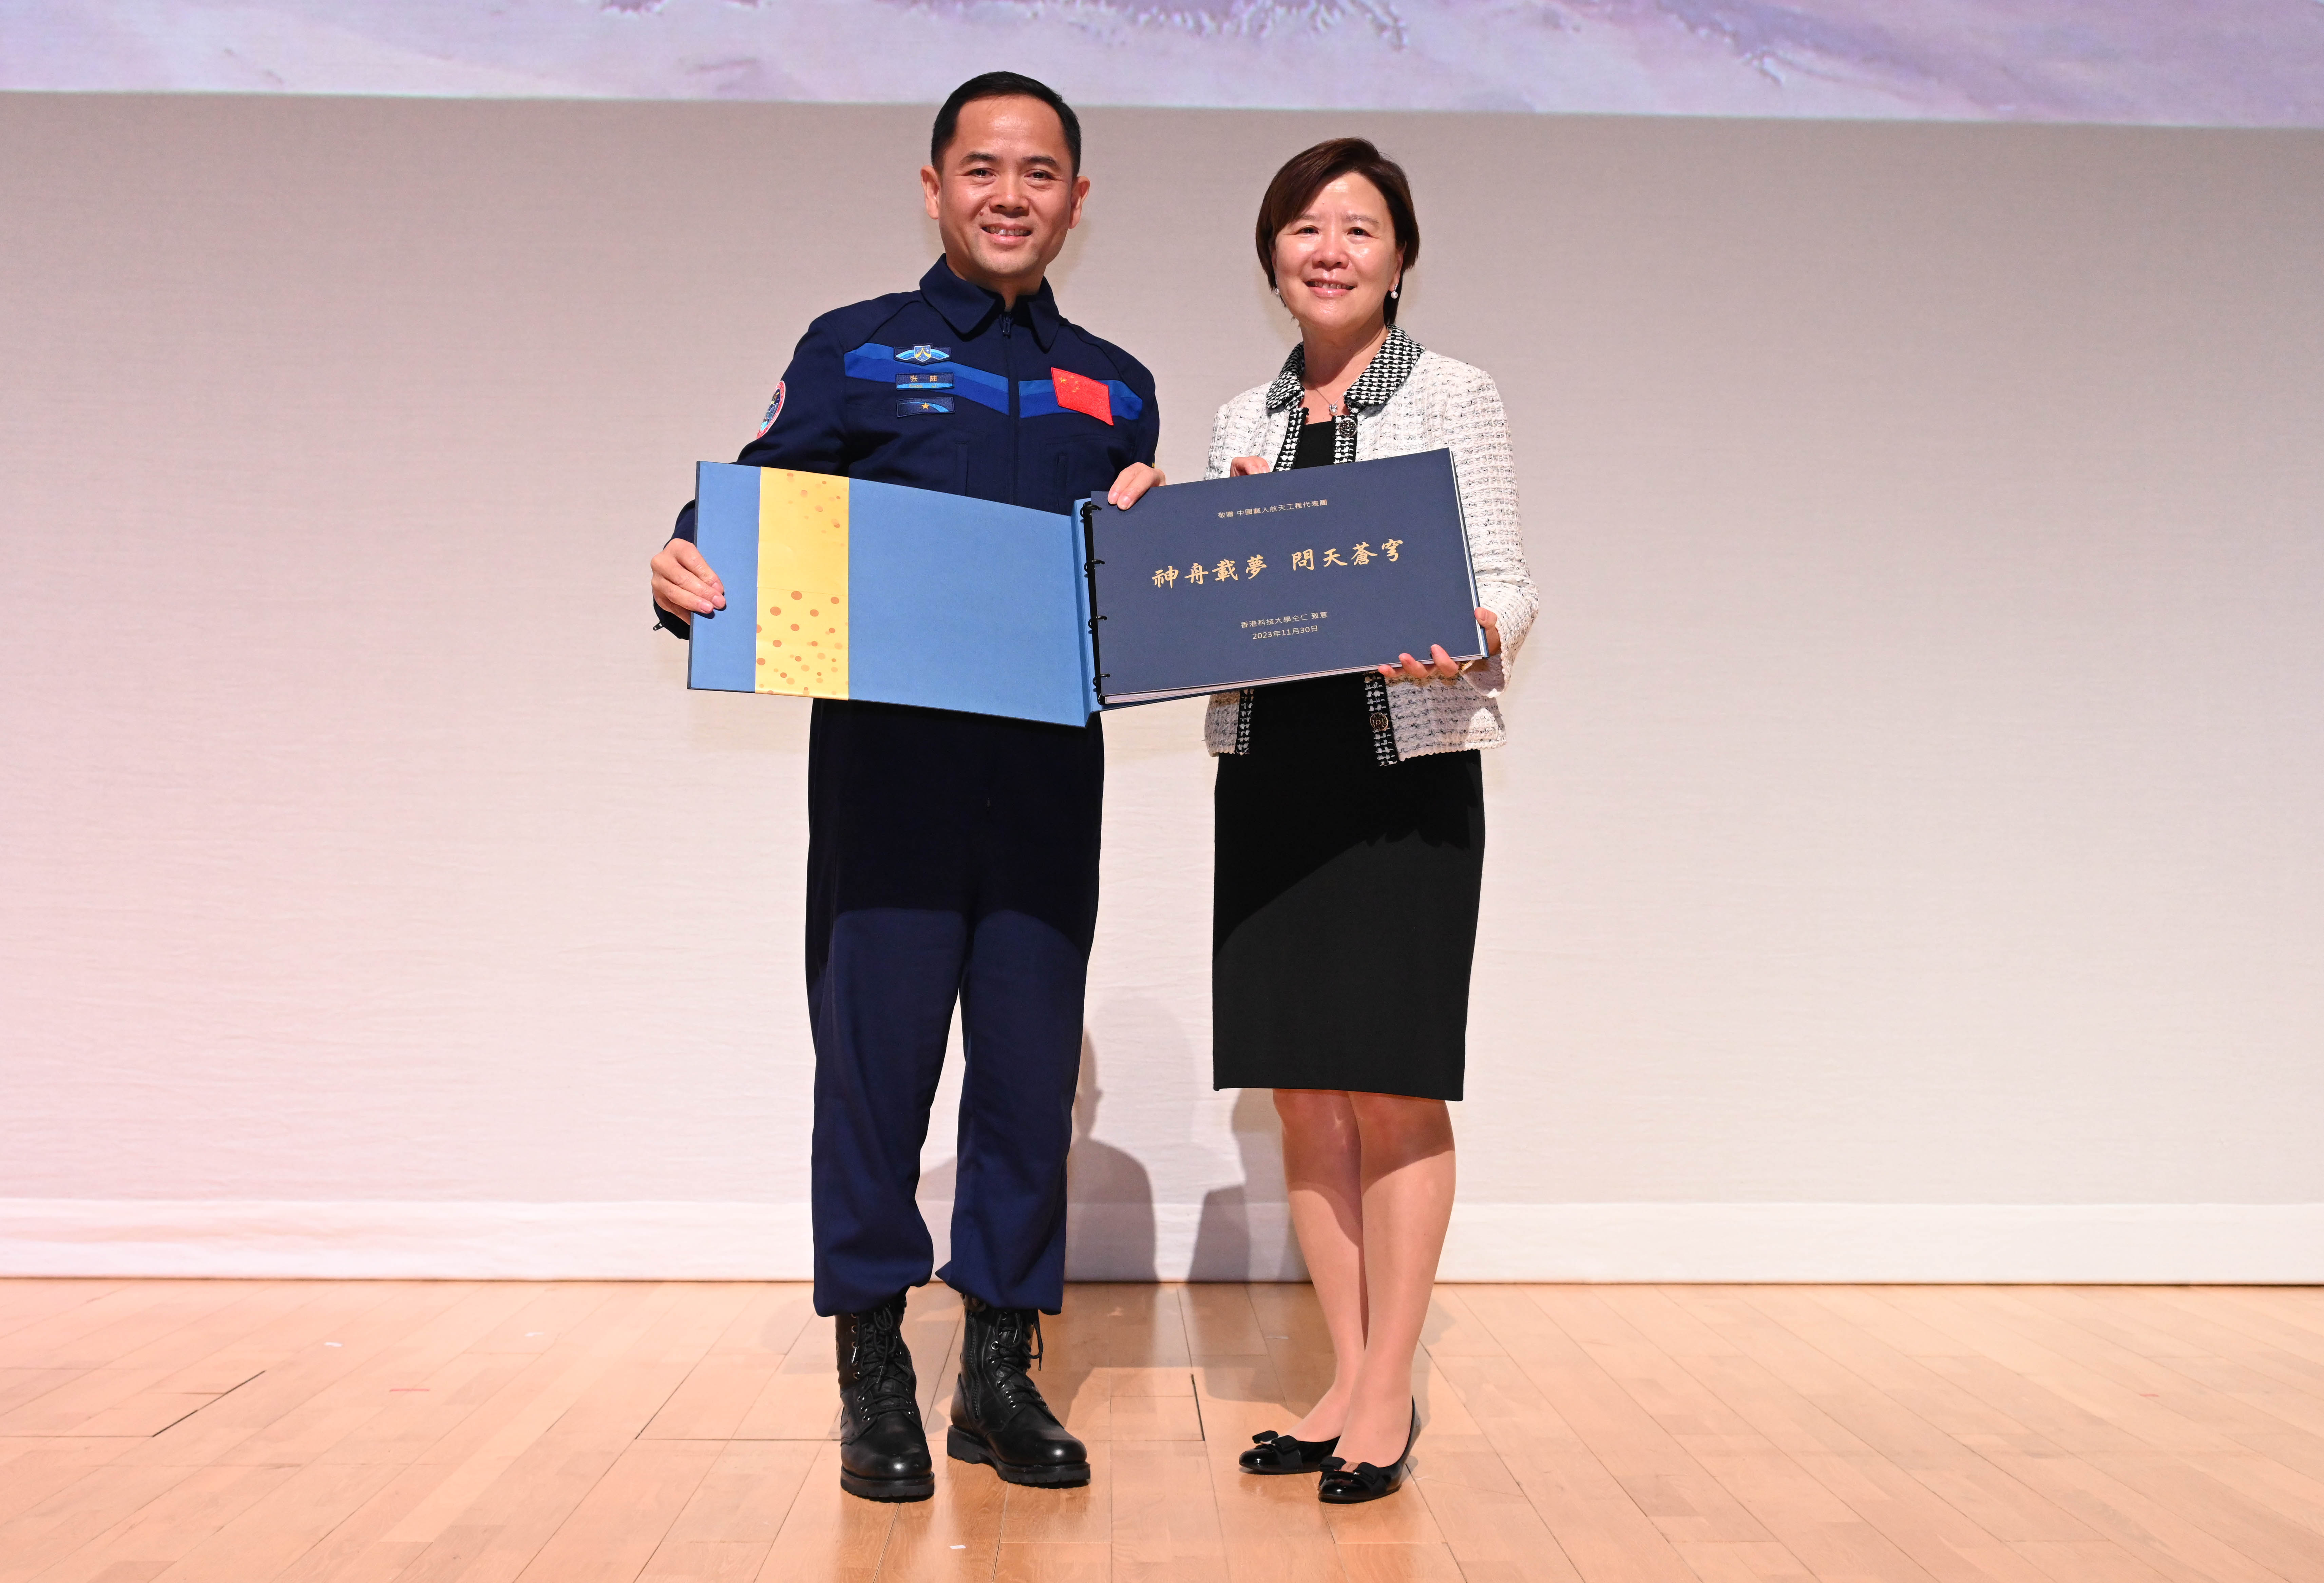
(1076, 393)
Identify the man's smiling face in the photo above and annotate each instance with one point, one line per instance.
(1005, 193)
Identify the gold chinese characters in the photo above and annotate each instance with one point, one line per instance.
(1201, 574)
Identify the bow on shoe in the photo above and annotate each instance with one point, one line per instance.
(1280, 1451)
(1364, 1481)
(1342, 1486)
(1275, 1452)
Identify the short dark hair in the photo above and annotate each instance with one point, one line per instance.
(1002, 85)
(1309, 172)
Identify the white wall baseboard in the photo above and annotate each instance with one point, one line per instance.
(1223, 1241)
(396, 1239)
(2169, 1244)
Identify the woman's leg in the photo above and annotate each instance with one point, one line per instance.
(1319, 1153)
(1406, 1176)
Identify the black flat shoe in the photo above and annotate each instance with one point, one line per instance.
(1343, 1486)
(1278, 1453)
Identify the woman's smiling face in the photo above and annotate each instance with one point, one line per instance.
(1337, 261)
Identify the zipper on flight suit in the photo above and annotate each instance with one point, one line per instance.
(1008, 365)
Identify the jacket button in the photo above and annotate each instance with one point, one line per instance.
(1379, 722)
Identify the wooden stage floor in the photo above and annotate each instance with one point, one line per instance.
(242, 1431)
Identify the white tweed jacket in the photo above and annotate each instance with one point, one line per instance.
(1437, 403)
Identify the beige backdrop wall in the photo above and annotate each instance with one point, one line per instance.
(1906, 864)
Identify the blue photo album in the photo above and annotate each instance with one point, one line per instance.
(841, 588)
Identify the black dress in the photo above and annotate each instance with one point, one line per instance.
(1344, 899)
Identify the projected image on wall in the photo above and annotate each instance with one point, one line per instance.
(2226, 62)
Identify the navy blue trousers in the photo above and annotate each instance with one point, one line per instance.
(951, 857)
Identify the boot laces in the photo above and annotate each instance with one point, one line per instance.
(1016, 1349)
(883, 1366)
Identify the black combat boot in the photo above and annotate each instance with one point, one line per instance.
(998, 1416)
(883, 1451)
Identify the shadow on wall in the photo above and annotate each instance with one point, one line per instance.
(1245, 1231)
(1110, 1232)
(1115, 1232)
(1109, 1195)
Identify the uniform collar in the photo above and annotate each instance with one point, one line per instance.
(1380, 379)
(969, 309)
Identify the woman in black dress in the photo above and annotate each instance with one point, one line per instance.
(1350, 823)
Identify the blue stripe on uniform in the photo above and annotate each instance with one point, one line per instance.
(986, 390)
(873, 360)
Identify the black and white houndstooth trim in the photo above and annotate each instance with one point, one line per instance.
(1382, 377)
(1382, 723)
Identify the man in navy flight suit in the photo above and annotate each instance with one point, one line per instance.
(951, 856)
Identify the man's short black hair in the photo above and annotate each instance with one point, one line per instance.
(1003, 84)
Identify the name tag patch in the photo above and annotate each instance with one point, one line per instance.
(937, 379)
